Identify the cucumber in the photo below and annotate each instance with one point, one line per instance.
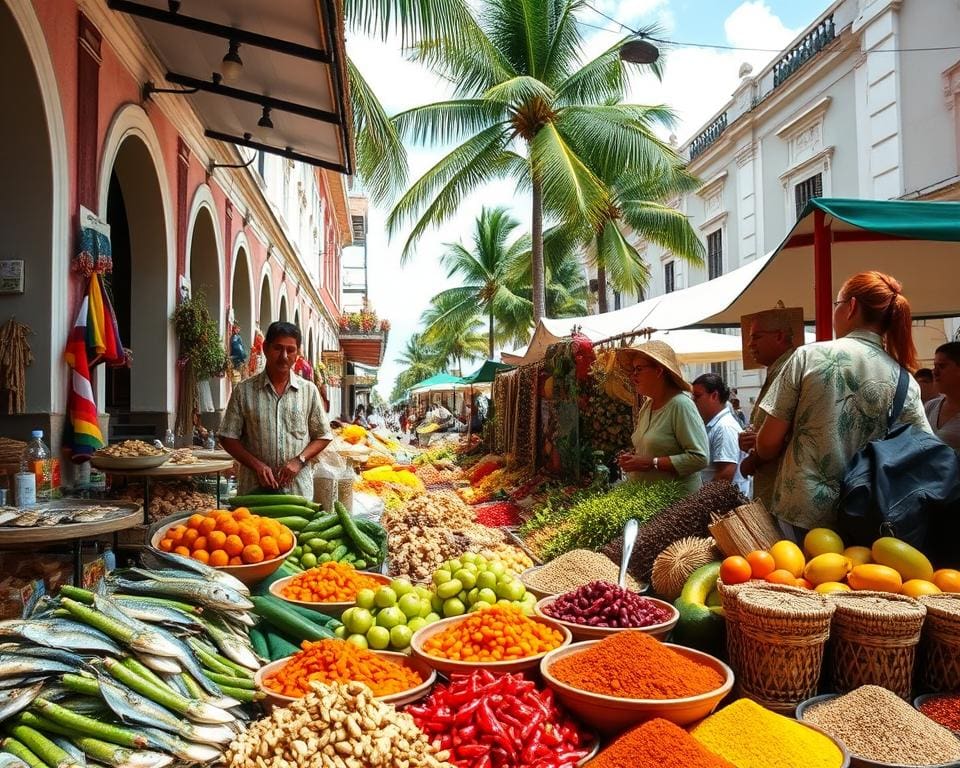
(339, 553)
(284, 510)
(331, 532)
(280, 616)
(303, 538)
(259, 643)
(364, 543)
(324, 558)
(267, 499)
(311, 615)
(321, 521)
(280, 647)
(360, 564)
(293, 523)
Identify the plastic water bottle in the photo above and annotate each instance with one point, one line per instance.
(109, 559)
(211, 442)
(169, 440)
(39, 460)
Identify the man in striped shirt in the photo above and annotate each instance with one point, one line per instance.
(275, 423)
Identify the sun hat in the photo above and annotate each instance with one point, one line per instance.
(660, 353)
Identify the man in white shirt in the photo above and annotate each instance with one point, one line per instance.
(710, 394)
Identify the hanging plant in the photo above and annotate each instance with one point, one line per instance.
(201, 347)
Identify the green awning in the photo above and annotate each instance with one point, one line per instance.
(914, 219)
(438, 381)
(486, 372)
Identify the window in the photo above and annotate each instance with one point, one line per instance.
(720, 369)
(669, 284)
(262, 163)
(714, 254)
(812, 187)
(616, 300)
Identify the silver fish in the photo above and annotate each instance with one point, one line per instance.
(7, 514)
(77, 754)
(185, 750)
(131, 707)
(207, 594)
(231, 645)
(146, 638)
(15, 700)
(190, 688)
(162, 664)
(11, 761)
(157, 613)
(120, 757)
(60, 633)
(13, 665)
(54, 654)
(189, 662)
(204, 570)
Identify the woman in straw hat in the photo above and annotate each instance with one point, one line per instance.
(669, 441)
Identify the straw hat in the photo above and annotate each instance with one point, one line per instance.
(660, 353)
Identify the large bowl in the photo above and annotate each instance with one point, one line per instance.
(587, 632)
(426, 673)
(334, 610)
(540, 594)
(612, 714)
(926, 697)
(120, 463)
(448, 666)
(250, 574)
(855, 760)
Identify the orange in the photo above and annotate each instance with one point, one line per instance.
(199, 543)
(235, 561)
(284, 540)
(182, 551)
(804, 584)
(202, 555)
(948, 579)
(233, 545)
(229, 526)
(788, 557)
(735, 570)
(761, 563)
(241, 513)
(781, 576)
(221, 516)
(218, 557)
(208, 524)
(166, 545)
(195, 521)
(176, 533)
(216, 540)
(268, 527)
(252, 554)
(249, 534)
(190, 536)
(269, 546)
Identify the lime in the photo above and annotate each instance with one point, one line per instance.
(366, 599)
(453, 607)
(378, 638)
(309, 560)
(358, 620)
(385, 597)
(358, 640)
(400, 636)
(410, 604)
(390, 617)
(401, 587)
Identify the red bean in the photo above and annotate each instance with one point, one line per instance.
(601, 604)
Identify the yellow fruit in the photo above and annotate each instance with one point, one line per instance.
(820, 541)
(877, 577)
(788, 557)
(918, 587)
(831, 586)
(858, 555)
(827, 567)
(947, 579)
(908, 561)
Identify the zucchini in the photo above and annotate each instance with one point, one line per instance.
(284, 510)
(303, 538)
(364, 543)
(293, 523)
(278, 614)
(321, 521)
(280, 647)
(339, 553)
(309, 614)
(259, 643)
(331, 532)
(266, 499)
(360, 564)
(379, 536)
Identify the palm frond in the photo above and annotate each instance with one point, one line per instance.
(469, 61)
(625, 269)
(412, 20)
(570, 189)
(448, 122)
(518, 90)
(566, 42)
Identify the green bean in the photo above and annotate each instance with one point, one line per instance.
(84, 725)
(52, 754)
(19, 749)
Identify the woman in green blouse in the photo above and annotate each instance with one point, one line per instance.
(670, 440)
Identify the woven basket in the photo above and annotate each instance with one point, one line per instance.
(874, 640)
(783, 634)
(938, 665)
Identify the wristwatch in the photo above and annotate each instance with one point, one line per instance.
(303, 459)
(656, 463)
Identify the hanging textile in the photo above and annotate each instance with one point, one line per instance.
(103, 333)
(94, 255)
(83, 435)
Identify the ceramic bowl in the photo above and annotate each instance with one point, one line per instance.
(613, 714)
(250, 574)
(586, 632)
(121, 463)
(426, 673)
(334, 610)
(447, 666)
(917, 702)
(540, 594)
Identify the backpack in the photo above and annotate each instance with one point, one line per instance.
(905, 484)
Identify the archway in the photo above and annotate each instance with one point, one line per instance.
(296, 322)
(241, 295)
(204, 260)
(282, 314)
(309, 348)
(266, 304)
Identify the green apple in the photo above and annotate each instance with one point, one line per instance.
(469, 557)
(425, 607)
(358, 640)
(496, 567)
(401, 587)
(378, 638)
(472, 595)
(390, 617)
(480, 605)
(453, 607)
(486, 580)
(449, 588)
(400, 636)
(442, 576)
(466, 577)
(358, 620)
(514, 590)
(431, 617)
(416, 623)
(366, 599)
(385, 597)
(436, 603)
(410, 604)
(340, 632)
(487, 596)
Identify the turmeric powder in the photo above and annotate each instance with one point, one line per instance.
(657, 744)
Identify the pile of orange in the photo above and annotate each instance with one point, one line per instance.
(221, 537)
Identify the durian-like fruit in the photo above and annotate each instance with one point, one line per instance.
(673, 566)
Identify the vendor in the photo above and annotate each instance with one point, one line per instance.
(670, 440)
(275, 423)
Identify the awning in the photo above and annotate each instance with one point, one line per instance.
(263, 74)
(486, 373)
(438, 382)
(364, 348)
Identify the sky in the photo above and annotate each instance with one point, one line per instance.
(696, 83)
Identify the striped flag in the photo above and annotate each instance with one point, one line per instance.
(83, 434)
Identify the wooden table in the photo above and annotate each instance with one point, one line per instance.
(173, 470)
(74, 532)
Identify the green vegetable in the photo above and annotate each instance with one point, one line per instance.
(52, 754)
(311, 615)
(293, 523)
(339, 553)
(227, 680)
(83, 725)
(360, 564)
(700, 626)
(259, 643)
(280, 647)
(269, 499)
(331, 532)
(321, 521)
(42, 724)
(288, 622)
(379, 536)
(19, 749)
(284, 510)
(243, 694)
(363, 542)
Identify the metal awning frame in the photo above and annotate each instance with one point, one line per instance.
(255, 39)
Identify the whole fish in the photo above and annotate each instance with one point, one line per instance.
(204, 570)
(163, 664)
(55, 654)
(230, 644)
(205, 593)
(189, 662)
(70, 748)
(15, 700)
(120, 757)
(145, 637)
(157, 613)
(16, 666)
(131, 707)
(185, 750)
(60, 633)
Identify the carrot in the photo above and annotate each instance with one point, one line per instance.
(498, 633)
(328, 661)
(328, 583)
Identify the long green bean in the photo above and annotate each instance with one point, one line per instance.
(19, 749)
(52, 754)
(230, 682)
(84, 725)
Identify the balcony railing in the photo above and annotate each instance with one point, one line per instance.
(815, 41)
(709, 135)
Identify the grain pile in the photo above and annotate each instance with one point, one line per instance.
(574, 569)
(876, 724)
(687, 517)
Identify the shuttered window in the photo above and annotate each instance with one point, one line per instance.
(715, 254)
(669, 277)
(812, 187)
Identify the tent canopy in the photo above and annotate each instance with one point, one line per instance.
(485, 373)
(916, 242)
(437, 382)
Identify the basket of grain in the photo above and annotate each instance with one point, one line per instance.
(783, 634)
(873, 640)
(938, 667)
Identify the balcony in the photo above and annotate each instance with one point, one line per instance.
(813, 42)
(363, 337)
(709, 135)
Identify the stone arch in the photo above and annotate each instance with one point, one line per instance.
(134, 199)
(242, 299)
(265, 303)
(282, 306)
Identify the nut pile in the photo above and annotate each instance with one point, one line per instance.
(513, 558)
(129, 449)
(183, 456)
(340, 725)
(169, 498)
(431, 510)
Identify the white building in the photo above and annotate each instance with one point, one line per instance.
(864, 103)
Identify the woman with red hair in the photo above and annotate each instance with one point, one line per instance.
(833, 397)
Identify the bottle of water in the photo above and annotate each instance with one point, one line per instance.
(39, 460)
(211, 442)
(169, 441)
(109, 559)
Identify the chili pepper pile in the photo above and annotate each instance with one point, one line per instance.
(500, 722)
(944, 710)
(497, 514)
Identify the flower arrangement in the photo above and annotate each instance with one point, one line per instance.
(364, 321)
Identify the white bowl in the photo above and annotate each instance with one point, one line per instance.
(334, 610)
(588, 632)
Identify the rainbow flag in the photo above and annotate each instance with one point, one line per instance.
(102, 334)
(83, 434)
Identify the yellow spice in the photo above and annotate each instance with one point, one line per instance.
(750, 736)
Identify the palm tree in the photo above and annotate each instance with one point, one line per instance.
(419, 361)
(452, 341)
(526, 106)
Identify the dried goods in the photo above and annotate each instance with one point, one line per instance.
(673, 566)
(417, 551)
(513, 558)
(687, 516)
(943, 709)
(433, 509)
(602, 604)
(340, 725)
(128, 449)
(183, 456)
(498, 513)
(876, 724)
(574, 569)
(657, 744)
(169, 498)
(498, 633)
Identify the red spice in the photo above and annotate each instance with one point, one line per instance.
(634, 665)
(497, 514)
(944, 710)
(657, 744)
